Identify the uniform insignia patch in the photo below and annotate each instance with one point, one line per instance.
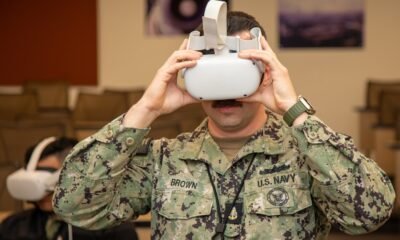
(143, 149)
(183, 184)
(278, 196)
(235, 216)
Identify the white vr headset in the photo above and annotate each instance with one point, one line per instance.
(222, 75)
(30, 184)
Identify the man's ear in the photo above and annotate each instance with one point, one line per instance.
(266, 77)
(262, 78)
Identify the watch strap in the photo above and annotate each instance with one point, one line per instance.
(296, 110)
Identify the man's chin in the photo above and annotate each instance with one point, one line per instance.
(46, 207)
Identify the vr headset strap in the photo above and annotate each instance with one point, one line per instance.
(197, 42)
(37, 152)
(237, 44)
(214, 25)
(215, 32)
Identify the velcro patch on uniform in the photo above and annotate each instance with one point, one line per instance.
(143, 149)
(236, 214)
(278, 197)
(300, 179)
(287, 178)
(185, 184)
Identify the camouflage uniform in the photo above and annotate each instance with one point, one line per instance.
(302, 180)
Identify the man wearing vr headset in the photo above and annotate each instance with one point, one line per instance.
(244, 173)
(40, 222)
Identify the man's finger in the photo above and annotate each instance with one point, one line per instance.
(183, 44)
(183, 55)
(174, 68)
(265, 45)
(187, 55)
(260, 55)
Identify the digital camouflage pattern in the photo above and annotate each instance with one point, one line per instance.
(303, 180)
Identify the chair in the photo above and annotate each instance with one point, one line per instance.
(93, 111)
(390, 103)
(396, 149)
(15, 138)
(374, 89)
(368, 115)
(18, 106)
(397, 126)
(53, 100)
(5, 169)
(384, 131)
(52, 95)
(132, 95)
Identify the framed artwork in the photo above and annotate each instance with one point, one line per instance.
(173, 17)
(321, 23)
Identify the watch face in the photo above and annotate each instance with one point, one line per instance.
(310, 109)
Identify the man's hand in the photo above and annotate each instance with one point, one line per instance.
(276, 91)
(163, 95)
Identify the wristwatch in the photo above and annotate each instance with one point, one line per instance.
(302, 105)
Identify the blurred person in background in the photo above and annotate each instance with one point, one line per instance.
(40, 222)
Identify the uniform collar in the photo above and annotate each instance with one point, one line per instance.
(200, 146)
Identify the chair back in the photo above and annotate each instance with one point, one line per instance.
(18, 106)
(132, 95)
(99, 107)
(388, 107)
(51, 94)
(398, 126)
(375, 87)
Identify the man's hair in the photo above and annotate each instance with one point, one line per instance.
(60, 146)
(237, 22)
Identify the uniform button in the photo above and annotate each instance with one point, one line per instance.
(109, 133)
(313, 135)
(129, 141)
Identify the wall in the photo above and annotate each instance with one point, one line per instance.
(332, 79)
(48, 40)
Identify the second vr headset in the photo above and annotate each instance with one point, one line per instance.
(31, 184)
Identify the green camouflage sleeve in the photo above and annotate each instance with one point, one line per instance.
(103, 182)
(349, 188)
